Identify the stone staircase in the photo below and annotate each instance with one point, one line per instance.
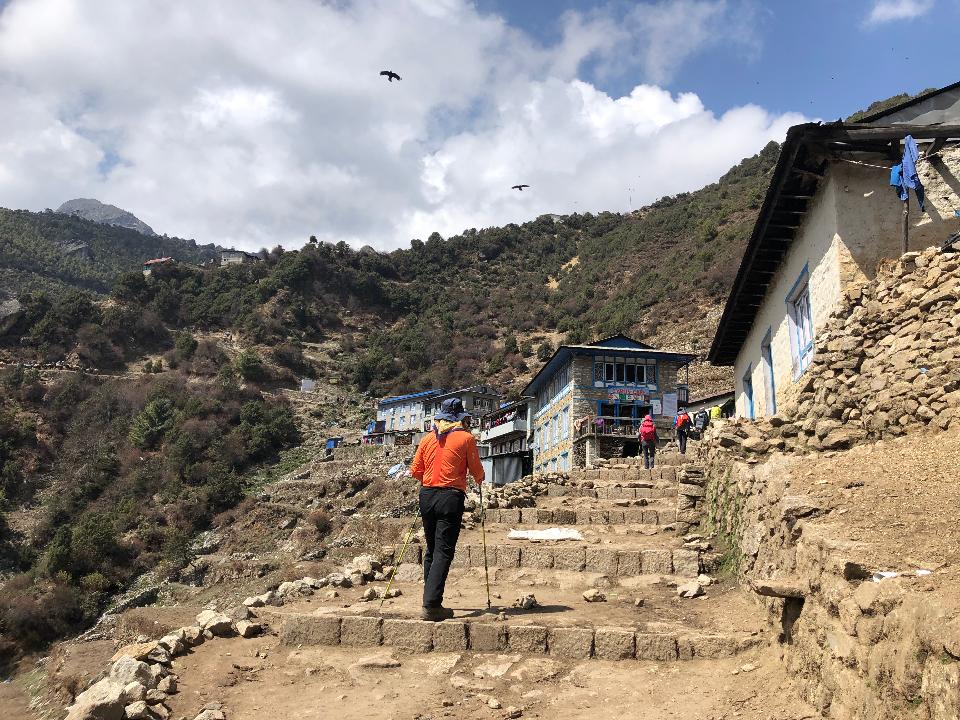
(631, 559)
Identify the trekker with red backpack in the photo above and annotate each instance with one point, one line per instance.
(648, 441)
(683, 427)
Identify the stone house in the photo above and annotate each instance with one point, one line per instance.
(150, 265)
(588, 400)
(478, 400)
(238, 257)
(828, 221)
(402, 419)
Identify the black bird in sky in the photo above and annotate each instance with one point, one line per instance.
(518, 187)
(389, 75)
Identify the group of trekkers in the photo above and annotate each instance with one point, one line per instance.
(684, 426)
(443, 459)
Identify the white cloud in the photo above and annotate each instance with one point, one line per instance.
(890, 10)
(256, 124)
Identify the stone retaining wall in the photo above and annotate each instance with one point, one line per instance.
(859, 649)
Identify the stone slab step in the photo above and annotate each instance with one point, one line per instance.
(611, 492)
(625, 474)
(615, 516)
(577, 642)
(615, 562)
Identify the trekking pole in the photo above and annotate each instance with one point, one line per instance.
(403, 552)
(483, 535)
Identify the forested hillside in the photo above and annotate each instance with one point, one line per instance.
(476, 306)
(55, 252)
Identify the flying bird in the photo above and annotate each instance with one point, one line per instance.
(389, 75)
(518, 187)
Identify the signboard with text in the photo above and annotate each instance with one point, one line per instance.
(630, 395)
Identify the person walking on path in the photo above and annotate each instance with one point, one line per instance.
(683, 427)
(443, 458)
(648, 441)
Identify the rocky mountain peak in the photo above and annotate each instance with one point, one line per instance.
(91, 209)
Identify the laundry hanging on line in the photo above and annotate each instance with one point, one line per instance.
(904, 176)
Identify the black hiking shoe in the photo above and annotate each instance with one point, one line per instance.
(436, 614)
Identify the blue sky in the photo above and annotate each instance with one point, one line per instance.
(270, 125)
(819, 57)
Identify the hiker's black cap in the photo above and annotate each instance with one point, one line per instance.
(451, 409)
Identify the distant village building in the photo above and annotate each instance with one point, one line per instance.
(402, 419)
(477, 400)
(588, 400)
(237, 257)
(829, 218)
(505, 433)
(150, 265)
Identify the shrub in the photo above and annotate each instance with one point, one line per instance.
(184, 345)
(320, 519)
(249, 365)
(152, 423)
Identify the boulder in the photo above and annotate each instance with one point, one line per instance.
(168, 685)
(192, 634)
(134, 691)
(216, 623)
(247, 629)
(104, 700)
(139, 710)
(127, 670)
(137, 651)
(594, 595)
(690, 589)
(239, 612)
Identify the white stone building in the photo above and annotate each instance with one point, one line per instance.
(829, 218)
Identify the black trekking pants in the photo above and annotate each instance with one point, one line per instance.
(682, 440)
(649, 452)
(442, 511)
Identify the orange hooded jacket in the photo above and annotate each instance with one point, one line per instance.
(444, 456)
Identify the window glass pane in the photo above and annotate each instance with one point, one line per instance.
(631, 373)
(641, 374)
(598, 371)
(619, 372)
(610, 374)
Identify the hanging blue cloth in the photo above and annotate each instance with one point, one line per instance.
(896, 179)
(904, 176)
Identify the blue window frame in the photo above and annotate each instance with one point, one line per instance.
(800, 318)
(749, 408)
(770, 388)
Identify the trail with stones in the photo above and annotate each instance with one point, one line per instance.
(638, 611)
(628, 590)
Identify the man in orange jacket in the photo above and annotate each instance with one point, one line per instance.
(443, 458)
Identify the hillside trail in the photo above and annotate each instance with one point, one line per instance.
(710, 657)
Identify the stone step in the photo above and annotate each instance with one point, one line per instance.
(612, 492)
(625, 474)
(645, 515)
(575, 642)
(570, 556)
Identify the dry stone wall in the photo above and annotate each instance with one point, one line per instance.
(859, 648)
